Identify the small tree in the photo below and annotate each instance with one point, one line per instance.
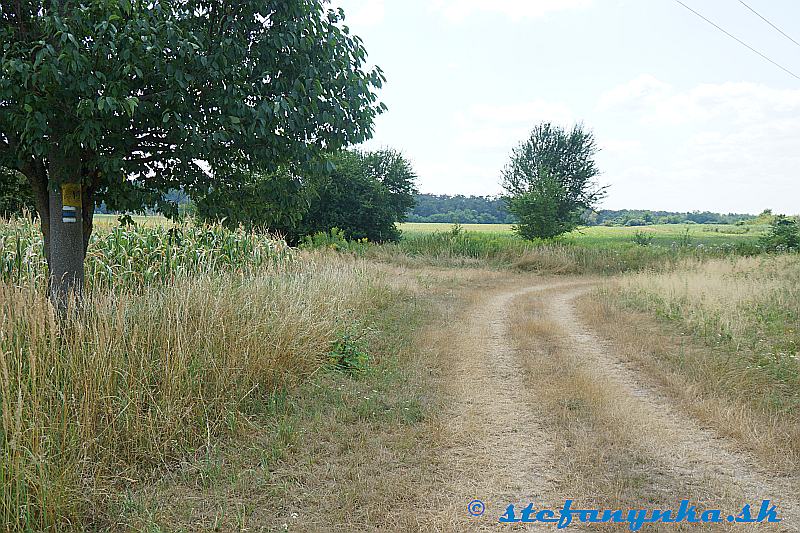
(549, 181)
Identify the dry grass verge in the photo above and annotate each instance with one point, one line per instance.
(136, 383)
(722, 338)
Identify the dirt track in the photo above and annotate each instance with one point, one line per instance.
(501, 449)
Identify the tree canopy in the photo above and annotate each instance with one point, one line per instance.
(364, 195)
(132, 99)
(549, 180)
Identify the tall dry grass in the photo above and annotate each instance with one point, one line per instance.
(744, 376)
(142, 377)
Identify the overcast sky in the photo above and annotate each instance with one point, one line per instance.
(687, 118)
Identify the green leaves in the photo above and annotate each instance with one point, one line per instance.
(550, 180)
(145, 91)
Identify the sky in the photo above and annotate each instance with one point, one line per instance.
(686, 118)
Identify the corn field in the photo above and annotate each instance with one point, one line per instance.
(122, 257)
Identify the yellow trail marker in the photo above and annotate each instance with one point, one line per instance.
(71, 194)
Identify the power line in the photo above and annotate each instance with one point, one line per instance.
(740, 41)
(768, 22)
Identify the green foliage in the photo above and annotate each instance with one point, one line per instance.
(549, 181)
(544, 211)
(334, 239)
(267, 201)
(685, 240)
(15, 193)
(783, 235)
(363, 194)
(134, 256)
(462, 209)
(643, 238)
(140, 92)
(645, 217)
(348, 354)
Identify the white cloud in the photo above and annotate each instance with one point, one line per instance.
(620, 145)
(362, 13)
(725, 146)
(490, 126)
(470, 177)
(457, 10)
(659, 103)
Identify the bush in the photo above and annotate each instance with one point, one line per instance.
(334, 239)
(643, 238)
(364, 195)
(783, 235)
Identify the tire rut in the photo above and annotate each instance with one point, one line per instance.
(499, 451)
(694, 453)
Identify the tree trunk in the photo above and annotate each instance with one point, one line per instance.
(66, 247)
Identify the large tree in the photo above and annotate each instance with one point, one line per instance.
(122, 101)
(550, 180)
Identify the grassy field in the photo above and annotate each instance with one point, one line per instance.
(662, 234)
(184, 339)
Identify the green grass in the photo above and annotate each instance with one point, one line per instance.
(663, 234)
(666, 234)
(593, 250)
(415, 228)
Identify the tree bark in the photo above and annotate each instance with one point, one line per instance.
(66, 246)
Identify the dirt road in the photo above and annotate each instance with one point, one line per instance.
(543, 409)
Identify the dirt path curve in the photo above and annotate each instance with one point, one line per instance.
(694, 453)
(499, 451)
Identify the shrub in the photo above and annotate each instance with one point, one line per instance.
(643, 238)
(783, 235)
(334, 239)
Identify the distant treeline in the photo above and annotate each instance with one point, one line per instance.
(461, 209)
(642, 217)
(444, 208)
